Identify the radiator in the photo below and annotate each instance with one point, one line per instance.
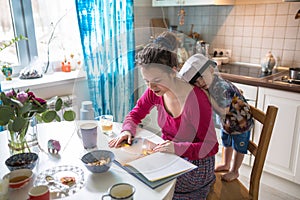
(69, 102)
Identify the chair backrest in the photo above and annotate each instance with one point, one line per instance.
(260, 150)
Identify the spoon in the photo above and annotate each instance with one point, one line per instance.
(63, 188)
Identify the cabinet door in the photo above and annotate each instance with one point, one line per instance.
(142, 3)
(246, 2)
(283, 157)
(249, 92)
(161, 3)
(207, 2)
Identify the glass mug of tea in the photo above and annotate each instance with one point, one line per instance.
(119, 191)
(106, 124)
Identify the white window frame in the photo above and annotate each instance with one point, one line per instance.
(23, 24)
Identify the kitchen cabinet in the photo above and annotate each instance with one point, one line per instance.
(283, 157)
(142, 3)
(249, 92)
(161, 3)
(247, 2)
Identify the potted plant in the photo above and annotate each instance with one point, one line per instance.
(20, 107)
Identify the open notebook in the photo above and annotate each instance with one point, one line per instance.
(154, 169)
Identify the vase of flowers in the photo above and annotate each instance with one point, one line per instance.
(19, 109)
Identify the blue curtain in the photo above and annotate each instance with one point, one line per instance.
(107, 37)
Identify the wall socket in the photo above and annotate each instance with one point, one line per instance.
(219, 52)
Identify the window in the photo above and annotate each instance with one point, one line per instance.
(48, 25)
(56, 25)
(9, 55)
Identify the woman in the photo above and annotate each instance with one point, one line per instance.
(187, 126)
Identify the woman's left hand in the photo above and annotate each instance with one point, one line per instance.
(166, 146)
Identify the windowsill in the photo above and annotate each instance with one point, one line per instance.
(53, 79)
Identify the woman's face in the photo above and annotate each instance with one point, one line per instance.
(157, 79)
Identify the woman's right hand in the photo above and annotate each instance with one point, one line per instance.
(117, 141)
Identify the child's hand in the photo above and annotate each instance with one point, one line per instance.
(167, 146)
(116, 142)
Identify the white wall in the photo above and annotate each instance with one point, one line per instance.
(249, 30)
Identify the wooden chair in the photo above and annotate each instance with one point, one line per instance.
(235, 190)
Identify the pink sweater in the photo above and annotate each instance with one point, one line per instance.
(192, 132)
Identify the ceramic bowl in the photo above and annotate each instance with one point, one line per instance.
(98, 161)
(22, 161)
(19, 178)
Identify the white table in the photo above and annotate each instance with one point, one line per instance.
(72, 150)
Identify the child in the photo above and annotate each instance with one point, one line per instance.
(231, 107)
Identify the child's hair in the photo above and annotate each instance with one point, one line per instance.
(153, 53)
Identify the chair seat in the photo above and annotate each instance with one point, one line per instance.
(233, 190)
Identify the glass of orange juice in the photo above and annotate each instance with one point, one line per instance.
(106, 124)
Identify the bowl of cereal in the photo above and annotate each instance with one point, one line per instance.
(98, 161)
